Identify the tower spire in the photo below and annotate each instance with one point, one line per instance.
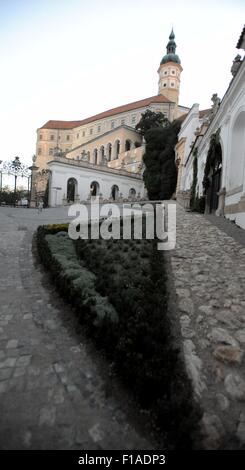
(171, 46)
(169, 72)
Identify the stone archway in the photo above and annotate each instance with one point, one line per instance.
(115, 192)
(71, 189)
(216, 175)
(94, 188)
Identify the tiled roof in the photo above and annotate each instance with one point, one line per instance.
(204, 112)
(201, 115)
(182, 117)
(105, 114)
(240, 40)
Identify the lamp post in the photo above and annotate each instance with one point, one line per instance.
(15, 168)
(33, 168)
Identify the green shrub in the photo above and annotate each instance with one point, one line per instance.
(75, 282)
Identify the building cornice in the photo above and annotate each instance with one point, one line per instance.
(60, 161)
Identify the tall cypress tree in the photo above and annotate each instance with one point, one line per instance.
(160, 175)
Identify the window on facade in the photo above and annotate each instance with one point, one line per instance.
(112, 125)
(122, 122)
(133, 119)
(165, 84)
(77, 136)
(172, 84)
(91, 131)
(67, 137)
(99, 128)
(41, 137)
(52, 137)
(51, 151)
(166, 72)
(173, 72)
(39, 151)
(83, 133)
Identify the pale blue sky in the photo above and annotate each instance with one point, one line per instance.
(69, 59)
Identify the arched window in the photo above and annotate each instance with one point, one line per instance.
(102, 153)
(114, 192)
(95, 155)
(127, 145)
(118, 148)
(71, 189)
(132, 193)
(94, 188)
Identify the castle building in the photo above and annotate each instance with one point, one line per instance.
(109, 139)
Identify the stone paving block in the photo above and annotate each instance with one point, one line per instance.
(2, 355)
(3, 387)
(5, 373)
(12, 352)
(47, 416)
(27, 316)
(96, 433)
(24, 361)
(9, 362)
(12, 344)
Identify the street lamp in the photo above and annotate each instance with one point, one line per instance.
(33, 168)
(15, 168)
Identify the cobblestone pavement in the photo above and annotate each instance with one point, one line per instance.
(209, 271)
(229, 227)
(54, 391)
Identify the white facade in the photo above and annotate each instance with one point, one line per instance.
(187, 133)
(229, 118)
(85, 174)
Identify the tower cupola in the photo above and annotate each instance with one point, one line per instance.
(169, 72)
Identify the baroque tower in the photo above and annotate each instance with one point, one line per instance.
(169, 72)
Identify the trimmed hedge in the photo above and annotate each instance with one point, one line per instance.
(119, 291)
